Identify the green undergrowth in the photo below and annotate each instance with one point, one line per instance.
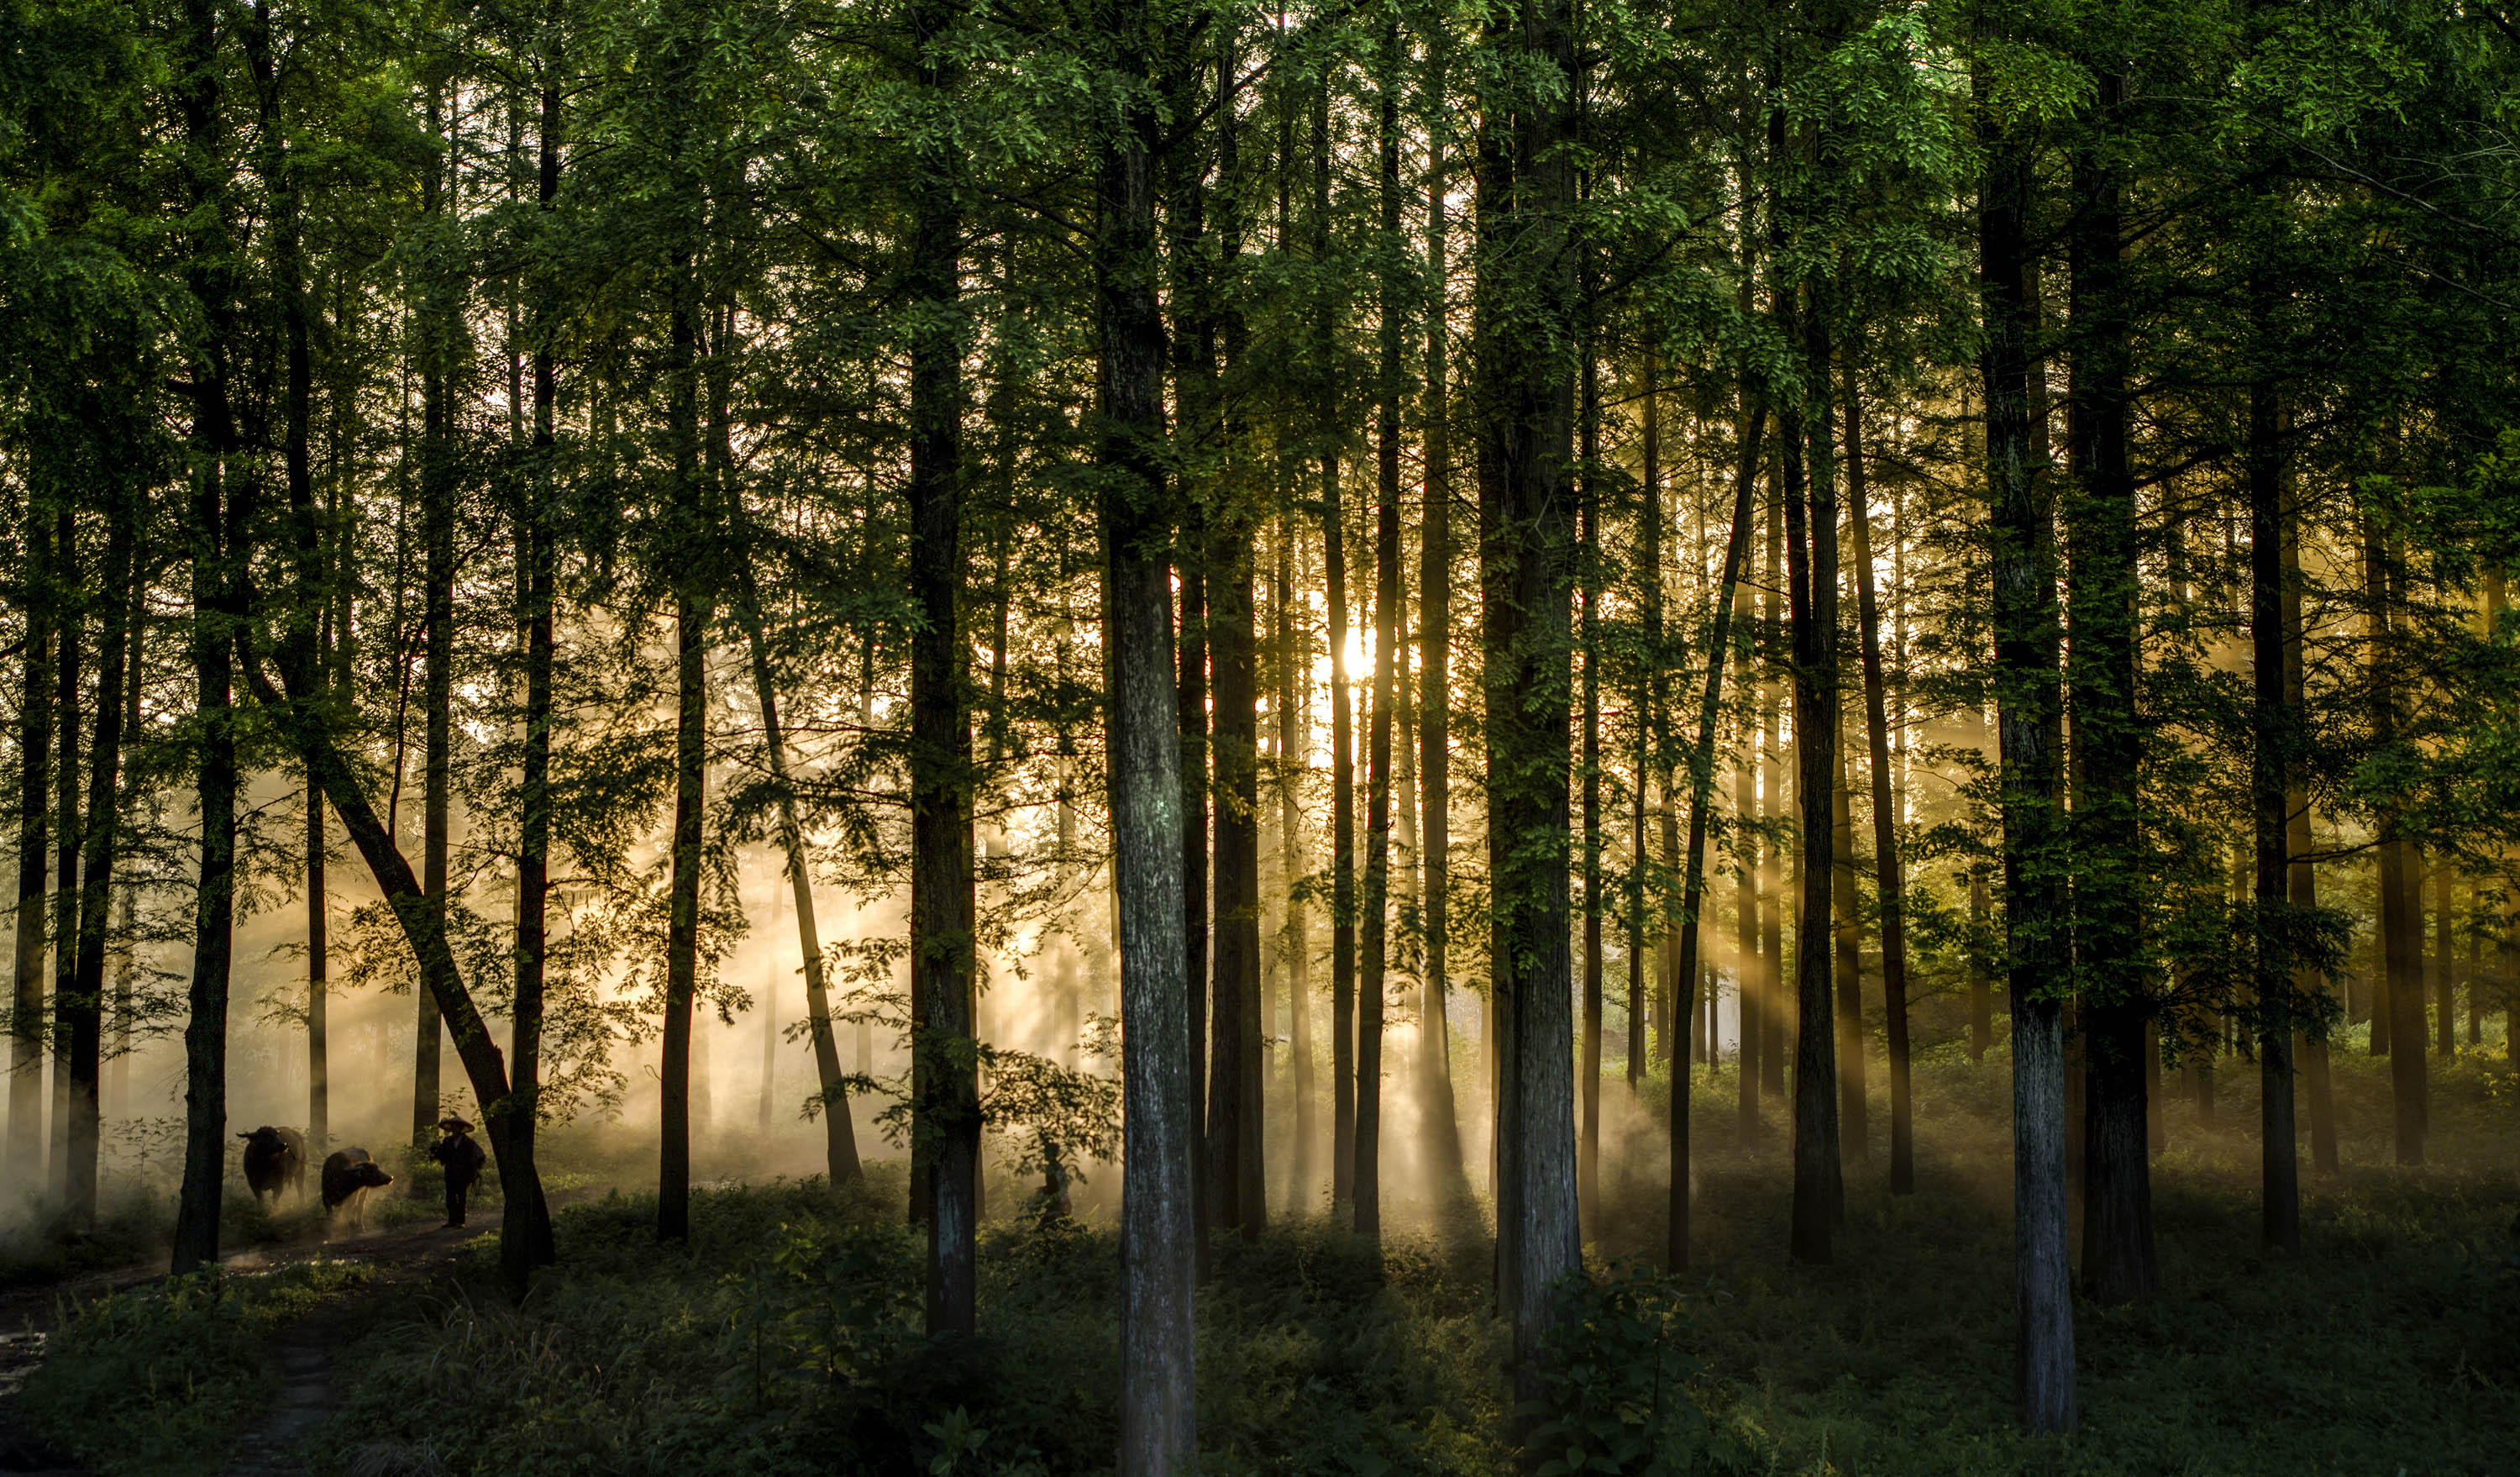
(783, 1336)
(148, 1379)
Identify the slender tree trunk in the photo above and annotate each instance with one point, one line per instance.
(85, 1009)
(1294, 745)
(2445, 964)
(942, 903)
(522, 1247)
(1191, 697)
(1701, 794)
(2275, 723)
(1847, 931)
(1888, 873)
(692, 611)
(68, 651)
(1811, 560)
(1775, 1007)
(1647, 724)
(1158, 1417)
(1387, 660)
(1588, 839)
(1344, 901)
(439, 329)
(2029, 708)
(1434, 667)
(2401, 935)
(840, 1133)
(26, 1162)
(1236, 1101)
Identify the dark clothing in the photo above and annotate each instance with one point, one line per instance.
(463, 1159)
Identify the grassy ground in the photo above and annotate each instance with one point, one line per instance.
(783, 1338)
(151, 1379)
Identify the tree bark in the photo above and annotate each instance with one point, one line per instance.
(1158, 1417)
(1526, 197)
(439, 327)
(2029, 710)
(1434, 667)
(2118, 1261)
(2401, 939)
(26, 1162)
(1387, 659)
(1702, 793)
(85, 1008)
(220, 516)
(1888, 873)
(943, 945)
(2275, 721)
(1811, 579)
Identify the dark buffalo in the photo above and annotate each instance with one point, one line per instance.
(275, 1159)
(348, 1175)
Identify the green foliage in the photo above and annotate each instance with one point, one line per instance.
(1618, 1380)
(145, 1380)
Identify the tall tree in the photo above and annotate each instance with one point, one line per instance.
(1158, 1417)
(1701, 794)
(2029, 710)
(2119, 1262)
(1524, 319)
(26, 1162)
(1889, 874)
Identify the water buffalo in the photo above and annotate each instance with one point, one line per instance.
(275, 1159)
(348, 1175)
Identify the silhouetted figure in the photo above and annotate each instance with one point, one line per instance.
(462, 1158)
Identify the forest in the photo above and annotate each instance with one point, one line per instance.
(1025, 737)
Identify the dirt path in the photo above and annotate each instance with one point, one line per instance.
(302, 1350)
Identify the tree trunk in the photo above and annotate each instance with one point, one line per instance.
(1773, 1007)
(1702, 793)
(2275, 723)
(2029, 710)
(1811, 579)
(85, 1005)
(1236, 1103)
(1526, 197)
(220, 516)
(692, 611)
(1588, 839)
(1854, 1119)
(522, 1247)
(68, 649)
(1387, 660)
(2119, 1262)
(26, 1162)
(1889, 874)
(942, 903)
(1294, 744)
(2401, 937)
(1158, 1417)
(1647, 721)
(439, 327)
(1434, 671)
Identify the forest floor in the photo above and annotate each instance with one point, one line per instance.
(782, 1335)
(303, 1287)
